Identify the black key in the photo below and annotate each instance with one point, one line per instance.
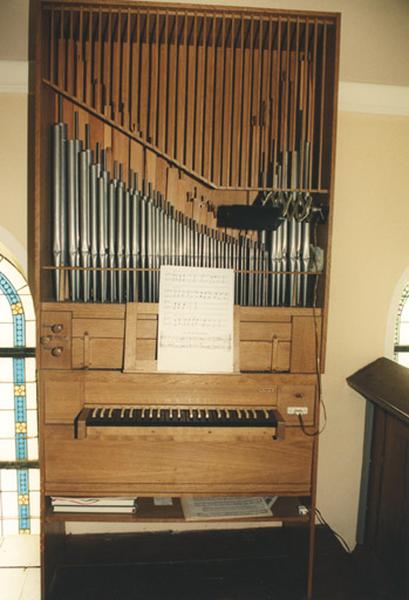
(213, 417)
(224, 417)
(233, 416)
(261, 419)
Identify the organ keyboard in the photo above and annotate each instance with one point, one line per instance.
(179, 417)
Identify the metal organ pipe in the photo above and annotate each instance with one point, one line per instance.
(112, 236)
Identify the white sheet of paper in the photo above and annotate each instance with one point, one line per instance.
(195, 320)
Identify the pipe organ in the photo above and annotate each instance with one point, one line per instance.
(186, 135)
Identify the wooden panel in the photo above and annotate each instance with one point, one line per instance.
(270, 463)
(265, 356)
(98, 328)
(97, 353)
(292, 397)
(63, 399)
(264, 331)
(178, 389)
(306, 334)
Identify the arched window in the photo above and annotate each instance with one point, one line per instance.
(19, 469)
(401, 346)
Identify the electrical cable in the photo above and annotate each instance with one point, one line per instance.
(318, 388)
(339, 537)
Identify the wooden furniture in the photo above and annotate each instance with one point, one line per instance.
(145, 119)
(385, 384)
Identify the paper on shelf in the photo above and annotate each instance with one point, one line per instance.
(229, 507)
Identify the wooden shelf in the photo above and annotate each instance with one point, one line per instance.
(284, 509)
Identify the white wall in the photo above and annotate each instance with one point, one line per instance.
(370, 251)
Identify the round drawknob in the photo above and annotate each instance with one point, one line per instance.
(57, 351)
(299, 395)
(45, 339)
(57, 327)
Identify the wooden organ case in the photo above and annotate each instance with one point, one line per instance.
(146, 119)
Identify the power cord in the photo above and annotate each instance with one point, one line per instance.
(318, 389)
(339, 537)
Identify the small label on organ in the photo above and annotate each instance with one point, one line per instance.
(297, 410)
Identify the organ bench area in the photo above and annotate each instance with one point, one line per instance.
(146, 119)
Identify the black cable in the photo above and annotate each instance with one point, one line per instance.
(339, 537)
(318, 388)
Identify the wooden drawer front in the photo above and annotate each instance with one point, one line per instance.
(291, 398)
(97, 343)
(273, 465)
(55, 340)
(61, 398)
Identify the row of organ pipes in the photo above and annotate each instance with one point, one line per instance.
(110, 237)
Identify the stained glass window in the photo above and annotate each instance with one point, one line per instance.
(19, 473)
(402, 330)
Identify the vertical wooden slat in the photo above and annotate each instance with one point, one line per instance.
(172, 78)
(79, 83)
(70, 54)
(154, 69)
(256, 112)
(163, 87)
(227, 102)
(88, 60)
(134, 84)
(97, 79)
(276, 101)
(237, 104)
(303, 100)
(61, 75)
(311, 108)
(144, 81)
(181, 94)
(158, 57)
(209, 106)
(294, 88)
(52, 57)
(200, 95)
(265, 103)
(322, 105)
(253, 94)
(107, 67)
(136, 160)
(284, 115)
(116, 68)
(246, 123)
(191, 94)
(126, 62)
(218, 125)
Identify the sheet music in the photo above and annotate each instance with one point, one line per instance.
(195, 319)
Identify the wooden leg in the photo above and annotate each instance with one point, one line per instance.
(52, 543)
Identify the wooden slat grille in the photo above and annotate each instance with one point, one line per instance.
(236, 100)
